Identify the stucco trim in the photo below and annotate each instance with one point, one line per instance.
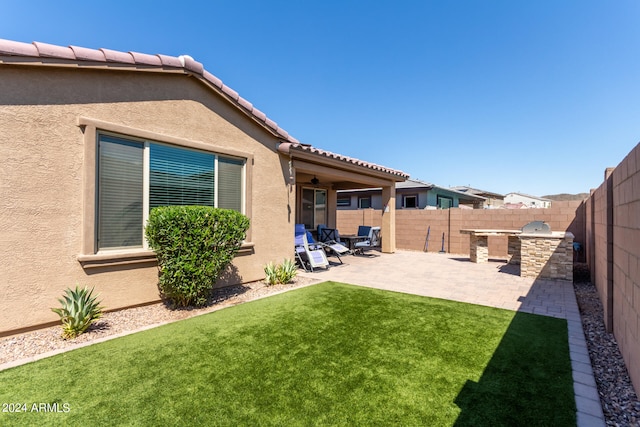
(117, 258)
(90, 127)
(135, 256)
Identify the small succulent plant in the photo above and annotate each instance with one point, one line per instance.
(79, 309)
(281, 273)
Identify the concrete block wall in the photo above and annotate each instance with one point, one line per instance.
(412, 225)
(613, 254)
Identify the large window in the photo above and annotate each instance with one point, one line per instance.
(136, 176)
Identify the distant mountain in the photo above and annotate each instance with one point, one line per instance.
(565, 196)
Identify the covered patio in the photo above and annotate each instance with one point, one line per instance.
(316, 175)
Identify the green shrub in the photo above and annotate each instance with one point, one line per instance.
(79, 309)
(194, 245)
(281, 273)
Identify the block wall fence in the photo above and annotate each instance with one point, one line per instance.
(613, 254)
(412, 225)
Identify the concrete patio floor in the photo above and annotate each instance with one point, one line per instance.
(494, 284)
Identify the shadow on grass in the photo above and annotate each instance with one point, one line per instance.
(543, 391)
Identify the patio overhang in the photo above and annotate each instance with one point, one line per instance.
(312, 168)
(341, 172)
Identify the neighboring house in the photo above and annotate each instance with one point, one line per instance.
(527, 200)
(491, 200)
(410, 194)
(93, 139)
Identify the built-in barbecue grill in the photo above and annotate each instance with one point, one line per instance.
(536, 227)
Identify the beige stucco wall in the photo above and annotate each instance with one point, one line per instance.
(43, 167)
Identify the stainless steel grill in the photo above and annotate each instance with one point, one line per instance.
(536, 227)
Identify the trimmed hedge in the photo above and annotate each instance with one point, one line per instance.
(194, 245)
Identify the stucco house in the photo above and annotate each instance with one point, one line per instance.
(491, 200)
(527, 200)
(410, 194)
(92, 139)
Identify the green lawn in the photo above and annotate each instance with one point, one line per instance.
(329, 354)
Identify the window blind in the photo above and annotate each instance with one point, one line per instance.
(180, 177)
(230, 176)
(120, 190)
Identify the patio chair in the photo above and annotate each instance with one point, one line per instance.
(372, 241)
(329, 240)
(308, 254)
(363, 230)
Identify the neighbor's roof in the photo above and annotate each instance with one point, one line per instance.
(12, 52)
(477, 191)
(530, 196)
(416, 183)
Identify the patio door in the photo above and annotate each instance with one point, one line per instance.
(314, 207)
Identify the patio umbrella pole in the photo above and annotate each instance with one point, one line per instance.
(426, 242)
(442, 250)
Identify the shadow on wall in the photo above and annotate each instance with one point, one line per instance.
(230, 276)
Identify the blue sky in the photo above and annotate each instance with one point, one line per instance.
(536, 97)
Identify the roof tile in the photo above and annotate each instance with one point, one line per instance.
(246, 104)
(232, 93)
(191, 64)
(117, 56)
(259, 114)
(54, 51)
(212, 79)
(145, 59)
(85, 54)
(17, 48)
(270, 123)
(283, 133)
(170, 61)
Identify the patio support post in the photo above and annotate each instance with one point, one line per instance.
(332, 206)
(388, 229)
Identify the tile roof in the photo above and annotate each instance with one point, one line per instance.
(96, 57)
(287, 147)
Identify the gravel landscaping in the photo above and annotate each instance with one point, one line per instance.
(620, 403)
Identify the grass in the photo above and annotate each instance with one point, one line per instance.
(329, 354)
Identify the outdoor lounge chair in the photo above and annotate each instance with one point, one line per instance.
(372, 241)
(309, 255)
(329, 238)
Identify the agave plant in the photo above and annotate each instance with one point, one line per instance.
(287, 271)
(271, 273)
(79, 309)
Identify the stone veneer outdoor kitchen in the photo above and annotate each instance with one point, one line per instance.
(547, 256)
(540, 255)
